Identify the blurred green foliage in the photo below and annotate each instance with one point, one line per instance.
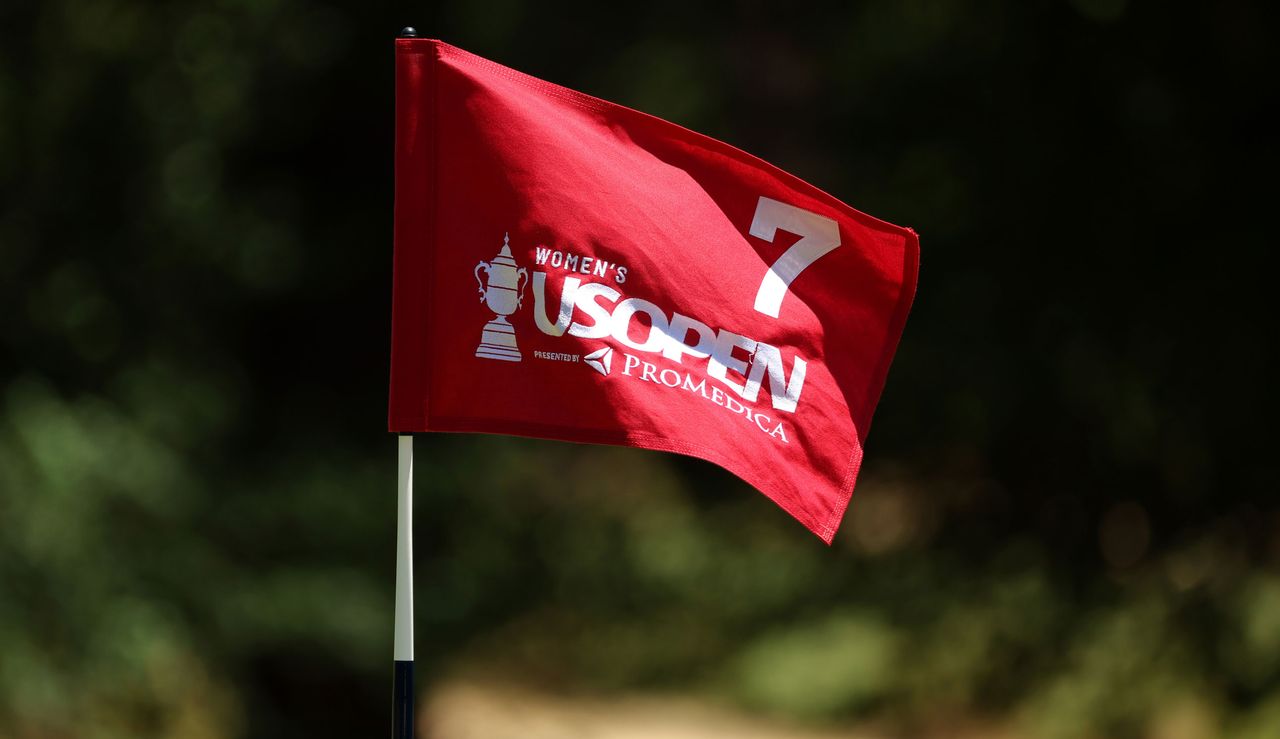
(1067, 520)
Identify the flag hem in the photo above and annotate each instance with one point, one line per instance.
(637, 440)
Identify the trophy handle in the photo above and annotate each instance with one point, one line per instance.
(522, 281)
(481, 266)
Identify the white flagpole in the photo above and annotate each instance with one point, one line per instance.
(402, 725)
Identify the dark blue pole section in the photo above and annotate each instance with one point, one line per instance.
(402, 725)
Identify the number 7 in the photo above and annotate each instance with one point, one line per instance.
(818, 235)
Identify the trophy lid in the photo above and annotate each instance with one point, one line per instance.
(504, 254)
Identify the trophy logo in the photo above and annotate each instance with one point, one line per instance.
(502, 291)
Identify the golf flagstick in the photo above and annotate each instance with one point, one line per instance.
(402, 722)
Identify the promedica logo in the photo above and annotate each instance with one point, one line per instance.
(596, 310)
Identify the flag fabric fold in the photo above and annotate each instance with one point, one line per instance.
(567, 268)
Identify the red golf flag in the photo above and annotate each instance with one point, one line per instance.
(567, 268)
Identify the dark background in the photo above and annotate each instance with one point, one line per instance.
(1067, 523)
